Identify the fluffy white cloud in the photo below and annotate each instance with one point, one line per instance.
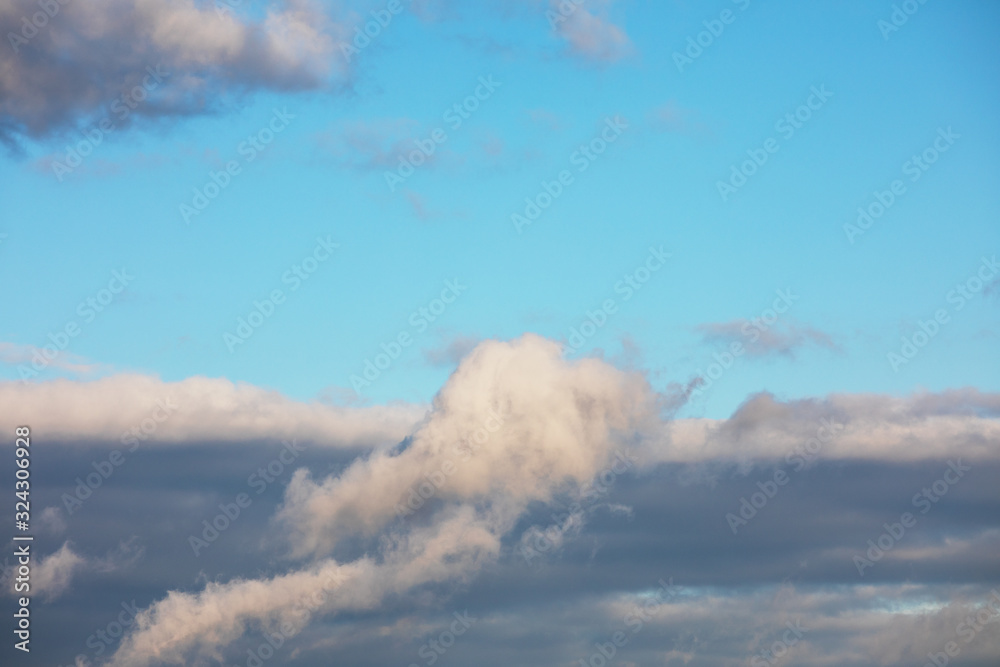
(544, 424)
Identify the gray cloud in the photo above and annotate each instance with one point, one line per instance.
(778, 339)
(588, 30)
(72, 69)
(450, 352)
(335, 510)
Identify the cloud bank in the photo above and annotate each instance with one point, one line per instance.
(515, 427)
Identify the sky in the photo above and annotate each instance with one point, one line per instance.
(529, 242)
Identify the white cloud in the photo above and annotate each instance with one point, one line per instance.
(52, 575)
(561, 424)
(191, 411)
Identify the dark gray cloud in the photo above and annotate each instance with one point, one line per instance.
(792, 561)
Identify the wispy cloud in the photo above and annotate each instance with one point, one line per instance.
(778, 339)
(589, 31)
(15, 355)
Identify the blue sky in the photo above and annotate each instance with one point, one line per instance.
(656, 186)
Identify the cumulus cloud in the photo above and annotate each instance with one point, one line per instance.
(191, 411)
(561, 422)
(70, 69)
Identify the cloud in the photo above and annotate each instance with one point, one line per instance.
(992, 289)
(50, 520)
(671, 117)
(52, 575)
(419, 205)
(450, 352)
(191, 411)
(15, 354)
(546, 119)
(551, 426)
(371, 144)
(561, 424)
(590, 35)
(854, 426)
(760, 340)
(70, 70)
